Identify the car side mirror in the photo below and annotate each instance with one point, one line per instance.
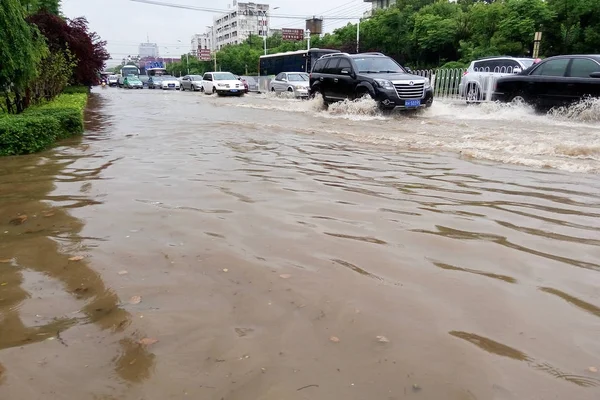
(346, 71)
(595, 75)
(517, 70)
(408, 70)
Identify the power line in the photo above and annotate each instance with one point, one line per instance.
(215, 10)
(324, 12)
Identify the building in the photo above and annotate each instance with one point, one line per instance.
(148, 50)
(235, 26)
(380, 4)
(201, 41)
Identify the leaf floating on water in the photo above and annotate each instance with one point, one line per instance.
(334, 339)
(147, 341)
(18, 220)
(5, 261)
(593, 369)
(76, 258)
(123, 272)
(3, 284)
(135, 300)
(382, 339)
(285, 276)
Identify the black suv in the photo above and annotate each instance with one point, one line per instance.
(340, 76)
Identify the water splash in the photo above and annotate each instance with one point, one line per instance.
(587, 110)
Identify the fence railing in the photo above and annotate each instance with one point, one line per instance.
(445, 82)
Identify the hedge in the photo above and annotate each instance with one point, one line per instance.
(39, 127)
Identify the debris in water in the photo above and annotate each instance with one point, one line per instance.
(306, 387)
(382, 339)
(593, 369)
(416, 388)
(48, 214)
(147, 341)
(135, 300)
(334, 339)
(225, 270)
(5, 261)
(3, 284)
(76, 258)
(123, 272)
(18, 220)
(241, 332)
(285, 276)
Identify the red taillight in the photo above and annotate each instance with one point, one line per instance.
(465, 73)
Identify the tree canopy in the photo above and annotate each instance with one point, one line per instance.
(431, 33)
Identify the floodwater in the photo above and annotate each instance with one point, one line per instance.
(189, 246)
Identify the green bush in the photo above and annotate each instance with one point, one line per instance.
(39, 127)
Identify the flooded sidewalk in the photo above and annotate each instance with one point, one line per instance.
(189, 246)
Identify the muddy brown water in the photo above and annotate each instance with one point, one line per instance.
(255, 230)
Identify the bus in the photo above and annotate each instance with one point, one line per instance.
(156, 71)
(290, 61)
(127, 70)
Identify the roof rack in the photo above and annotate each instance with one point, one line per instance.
(334, 55)
(371, 53)
(490, 57)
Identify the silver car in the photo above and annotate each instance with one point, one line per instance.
(191, 82)
(291, 82)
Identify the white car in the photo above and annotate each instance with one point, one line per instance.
(222, 83)
(169, 83)
(291, 82)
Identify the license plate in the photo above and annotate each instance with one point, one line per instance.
(171, 85)
(412, 103)
(233, 90)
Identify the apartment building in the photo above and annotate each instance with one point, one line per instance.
(201, 41)
(235, 26)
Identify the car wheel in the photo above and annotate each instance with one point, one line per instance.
(473, 94)
(518, 98)
(214, 90)
(182, 88)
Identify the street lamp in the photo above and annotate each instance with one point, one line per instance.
(187, 60)
(265, 31)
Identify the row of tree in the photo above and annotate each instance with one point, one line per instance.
(431, 33)
(41, 52)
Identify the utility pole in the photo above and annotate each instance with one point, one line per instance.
(308, 39)
(358, 36)
(187, 56)
(536, 44)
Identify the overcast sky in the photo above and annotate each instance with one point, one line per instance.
(125, 24)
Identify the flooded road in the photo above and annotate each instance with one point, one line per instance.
(197, 247)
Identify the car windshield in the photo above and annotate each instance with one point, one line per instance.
(169, 77)
(297, 77)
(224, 76)
(157, 78)
(195, 77)
(373, 65)
(249, 79)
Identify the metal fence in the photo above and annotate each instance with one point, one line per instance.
(445, 82)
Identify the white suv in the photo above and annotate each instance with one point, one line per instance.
(478, 80)
(222, 83)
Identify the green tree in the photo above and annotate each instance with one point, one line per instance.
(21, 50)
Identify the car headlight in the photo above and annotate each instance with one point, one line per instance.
(384, 83)
(300, 87)
(427, 83)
